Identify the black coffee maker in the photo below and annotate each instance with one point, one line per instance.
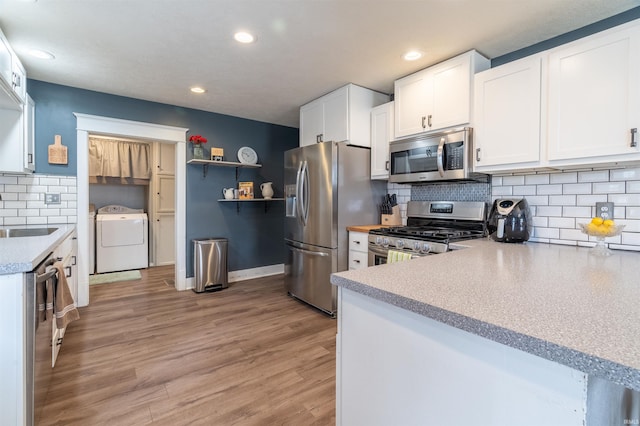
(510, 220)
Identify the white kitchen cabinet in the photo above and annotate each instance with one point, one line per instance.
(29, 120)
(340, 115)
(19, 80)
(381, 135)
(67, 252)
(594, 98)
(358, 247)
(13, 77)
(507, 112)
(437, 97)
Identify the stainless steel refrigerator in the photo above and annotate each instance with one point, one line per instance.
(327, 188)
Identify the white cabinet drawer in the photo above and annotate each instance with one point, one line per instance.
(357, 259)
(358, 241)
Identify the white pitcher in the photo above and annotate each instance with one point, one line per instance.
(267, 190)
(228, 193)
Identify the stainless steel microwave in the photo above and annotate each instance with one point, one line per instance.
(434, 157)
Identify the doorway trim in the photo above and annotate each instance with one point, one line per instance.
(86, 124)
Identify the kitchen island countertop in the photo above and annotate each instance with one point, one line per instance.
(23, 254)
(557, 302)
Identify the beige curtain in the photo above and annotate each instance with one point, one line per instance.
(128, 162)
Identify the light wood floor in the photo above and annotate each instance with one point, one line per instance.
(145, 354)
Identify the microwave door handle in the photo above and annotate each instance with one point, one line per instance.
(440, 157)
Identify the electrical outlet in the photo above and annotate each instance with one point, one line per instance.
(604, 210)
(52, 198)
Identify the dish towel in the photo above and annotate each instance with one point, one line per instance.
(44, 300)
(394, 256)
(64, 307)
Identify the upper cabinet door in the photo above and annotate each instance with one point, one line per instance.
(381, 135)
(413, 99)
(451, 104)
(594, 96)
(336, 115)
(311, 123)
(5, 62)
(507, 115)
(437, 97)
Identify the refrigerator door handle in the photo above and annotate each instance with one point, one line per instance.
(299, 193)
(305, 191)
(312, 253)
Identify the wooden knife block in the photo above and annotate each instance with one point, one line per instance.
(392, 219)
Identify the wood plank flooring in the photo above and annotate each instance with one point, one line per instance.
(145, 354)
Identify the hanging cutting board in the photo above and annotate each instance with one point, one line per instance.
(58, 152)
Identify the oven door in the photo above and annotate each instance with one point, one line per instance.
(377, 255)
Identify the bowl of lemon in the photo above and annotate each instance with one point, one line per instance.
(600, 229)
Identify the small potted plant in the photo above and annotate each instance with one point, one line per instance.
(198, 141)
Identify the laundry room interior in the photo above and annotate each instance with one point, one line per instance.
(131, 204)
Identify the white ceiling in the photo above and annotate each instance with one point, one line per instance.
(156, 49)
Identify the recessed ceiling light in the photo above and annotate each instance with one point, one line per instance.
(244, 37)
(198, 90)
(412, 55)
(41, 54)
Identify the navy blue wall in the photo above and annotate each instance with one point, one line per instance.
(255, 235)
(611, 22)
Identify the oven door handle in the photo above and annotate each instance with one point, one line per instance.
(440, 156)
(378, 251)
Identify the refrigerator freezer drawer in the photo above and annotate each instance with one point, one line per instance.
(307, 273)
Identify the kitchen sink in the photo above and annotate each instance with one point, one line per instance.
(25, 232)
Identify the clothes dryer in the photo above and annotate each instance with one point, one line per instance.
(122, 239)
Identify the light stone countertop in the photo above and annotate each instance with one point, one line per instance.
(23, 254)
(558, 302)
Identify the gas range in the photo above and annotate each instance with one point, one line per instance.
(431, 227)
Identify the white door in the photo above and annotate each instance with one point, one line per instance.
(451, 90)
(413, 98)
(311, 122)
(381, 135)
(336, 115)
(507, 114)
(163, 234)
(594, 96)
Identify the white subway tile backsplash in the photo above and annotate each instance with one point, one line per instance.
(576, 188)
(23, 199)
(549, 211)
(625, 174)
(562, 222)
(625, 199)
(573, 234)
(499, 191)
(549, 189)
(570, 177)
(590, 200)
(36, 220)
(538, 200)
(524, 190)
(513, 180)
(562, 200)
(631, 212)
(594, 176)
(541, 179)
(633, 186)
(563, 242)
(540, 221)
(578, 212)
(609, 188)
(546, 232)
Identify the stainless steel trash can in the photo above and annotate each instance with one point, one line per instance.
(210, 264)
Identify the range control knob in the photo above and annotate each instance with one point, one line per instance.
(399, 244)
(425, 248)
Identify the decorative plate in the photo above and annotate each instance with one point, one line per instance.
(247, 155)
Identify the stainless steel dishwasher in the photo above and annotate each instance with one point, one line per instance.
(38, 341)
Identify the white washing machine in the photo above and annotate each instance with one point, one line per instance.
(122, 239)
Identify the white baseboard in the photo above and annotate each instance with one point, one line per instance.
(247, 274)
